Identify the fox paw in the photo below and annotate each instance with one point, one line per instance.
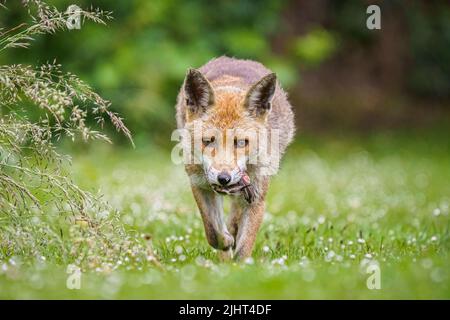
(226, 255)
(227, 241)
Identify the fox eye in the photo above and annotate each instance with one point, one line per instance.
(208, 141)
(241, 143)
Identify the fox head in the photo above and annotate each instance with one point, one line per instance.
(226, 121)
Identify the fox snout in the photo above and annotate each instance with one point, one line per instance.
(223, 177)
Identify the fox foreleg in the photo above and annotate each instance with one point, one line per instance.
(248, 227)
(211, 210)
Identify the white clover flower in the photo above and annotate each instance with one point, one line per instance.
(321, 220)
(179, 249)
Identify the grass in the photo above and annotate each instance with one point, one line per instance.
(338, 205)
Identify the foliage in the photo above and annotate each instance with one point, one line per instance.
(36, 191)
(430, 50)
(139, 60)
(315, 47)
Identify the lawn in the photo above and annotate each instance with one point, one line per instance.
(338, 205)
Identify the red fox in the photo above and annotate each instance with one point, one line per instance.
(234, 111)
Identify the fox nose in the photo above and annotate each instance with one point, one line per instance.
(223, 178)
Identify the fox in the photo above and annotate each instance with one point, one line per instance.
(224, 106)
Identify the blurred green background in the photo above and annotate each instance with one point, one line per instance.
(341, 76)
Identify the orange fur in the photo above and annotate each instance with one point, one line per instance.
(227, 111)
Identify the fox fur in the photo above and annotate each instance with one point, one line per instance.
(237, 95)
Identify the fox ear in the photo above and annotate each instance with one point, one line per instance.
(198, 91)
(259, 97)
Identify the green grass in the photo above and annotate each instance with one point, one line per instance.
(337, 205)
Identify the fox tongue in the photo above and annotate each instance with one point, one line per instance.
(247, 188)
(245, 179)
